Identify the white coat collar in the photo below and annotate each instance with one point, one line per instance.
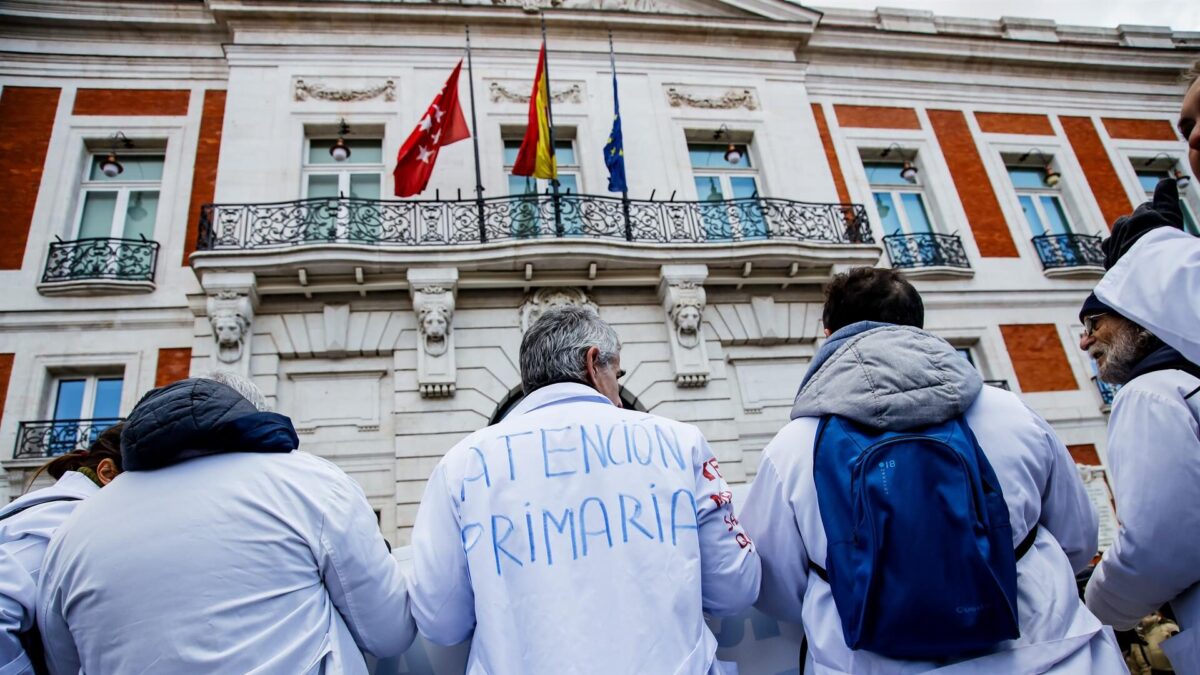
(557, 393)
(72, 484)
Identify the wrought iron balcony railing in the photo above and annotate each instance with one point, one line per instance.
(49, 438)
(926, 249)
(108, 259)
(1069, 250)
(469, 221)
(1107, 391)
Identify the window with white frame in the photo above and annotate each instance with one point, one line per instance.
(358, 177)
(1038, 193)
(720, 181)
(81, 406)
(526, 217)
(1149, 176)
(124, 206)
(899, 198)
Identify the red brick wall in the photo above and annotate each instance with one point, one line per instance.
(6, 364)
(1085, 454)
(972, 184)
(876, 117)
(1038, 357)
(26, 122)
(126, 102)
(1101, 176)
(204, 176)
(1140, 130)
(831, 155)
(173, 364)
(1014, 123)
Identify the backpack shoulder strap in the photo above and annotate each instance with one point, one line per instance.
(64, 498)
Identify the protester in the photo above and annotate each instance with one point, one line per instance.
(1154, 466)
(220, 550)
(575, 536)
(879, 374)
(26, 525)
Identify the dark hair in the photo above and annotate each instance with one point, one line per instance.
(871, 294)
(106, 446)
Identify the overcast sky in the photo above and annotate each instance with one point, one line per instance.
(1178, 14)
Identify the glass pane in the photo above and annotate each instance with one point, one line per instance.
(524, 215)
(564, 152)
(68, 405)
(914, 208)
(362, 151)
(715, 217)
(322, 185)
(1027, 177)
(965, 352)
(749, 213)
(884, 173)
(572, 220)
(712, 156)
(708, 188)
(97, 218)
(1149, 179)
(1031, 216)
(743, 186)
(137, 167)
(511, 148)
(887, 213)
(140, 214)
(522, 185)
(364, 185)
(1055, 215)
(108, 398)
(568, 182)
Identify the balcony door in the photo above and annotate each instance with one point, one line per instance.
(83, 406)
(718, 184)
(1148, 178)
(116, 219)
(527, 213)
(345, 194)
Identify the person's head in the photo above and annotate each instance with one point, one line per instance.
(241, 385)
(571, 344)
(1189, 117)
(1116, 344)
(871, 294)
(101, 461)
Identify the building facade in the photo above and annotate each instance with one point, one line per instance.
(768, 146)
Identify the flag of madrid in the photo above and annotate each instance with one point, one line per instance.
(442, 125)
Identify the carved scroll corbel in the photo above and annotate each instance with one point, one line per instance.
(681, 289)
(433, 295)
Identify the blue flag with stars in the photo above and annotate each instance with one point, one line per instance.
(614, 150)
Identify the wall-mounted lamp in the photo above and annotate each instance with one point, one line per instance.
(732, 154)
(1182, 180)
(339, 150)
(908, 171)
(1049, 176)
(110, 166)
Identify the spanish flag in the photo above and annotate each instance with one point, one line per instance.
(536, 156)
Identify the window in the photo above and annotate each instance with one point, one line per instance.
(526, 216)
(1149, 179)
(359, 177)
(901, 203)
(1041, 205)
(82, 407)
(124, 206)
(719, 182)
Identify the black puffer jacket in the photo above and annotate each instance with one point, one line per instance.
(197, 417)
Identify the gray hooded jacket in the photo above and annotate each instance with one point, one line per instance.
(887, 376)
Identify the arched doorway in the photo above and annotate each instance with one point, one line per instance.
(514, 397)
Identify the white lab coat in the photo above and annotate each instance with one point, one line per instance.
(23, 541)
(577, 537)
(1154, 466)
(228, 563)
(1156, 285)
(1041, 486)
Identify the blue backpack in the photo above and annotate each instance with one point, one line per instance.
(920, 557)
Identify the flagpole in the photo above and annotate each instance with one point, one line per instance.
(612, 61)
(558, 228)
(475, 142)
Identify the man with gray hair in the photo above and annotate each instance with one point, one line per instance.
(574, 535)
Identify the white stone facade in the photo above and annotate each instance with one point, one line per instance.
(385, 356)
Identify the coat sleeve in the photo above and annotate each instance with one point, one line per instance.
(443, 600)
(365, 583)
(18, 597)
(729, 566)
(1154, 447)
(1150, 283)
(771, 523)
(1067, 511)
(62, 656)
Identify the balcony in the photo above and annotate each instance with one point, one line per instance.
(99, 266)
(42, 439)
(1070, 254)
(515, 233)
(928, 254)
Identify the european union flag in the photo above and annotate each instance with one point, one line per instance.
(614, 150)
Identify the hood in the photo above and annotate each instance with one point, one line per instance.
(197, 417)
(887, 377)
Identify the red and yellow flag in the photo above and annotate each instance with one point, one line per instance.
(536, 156)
